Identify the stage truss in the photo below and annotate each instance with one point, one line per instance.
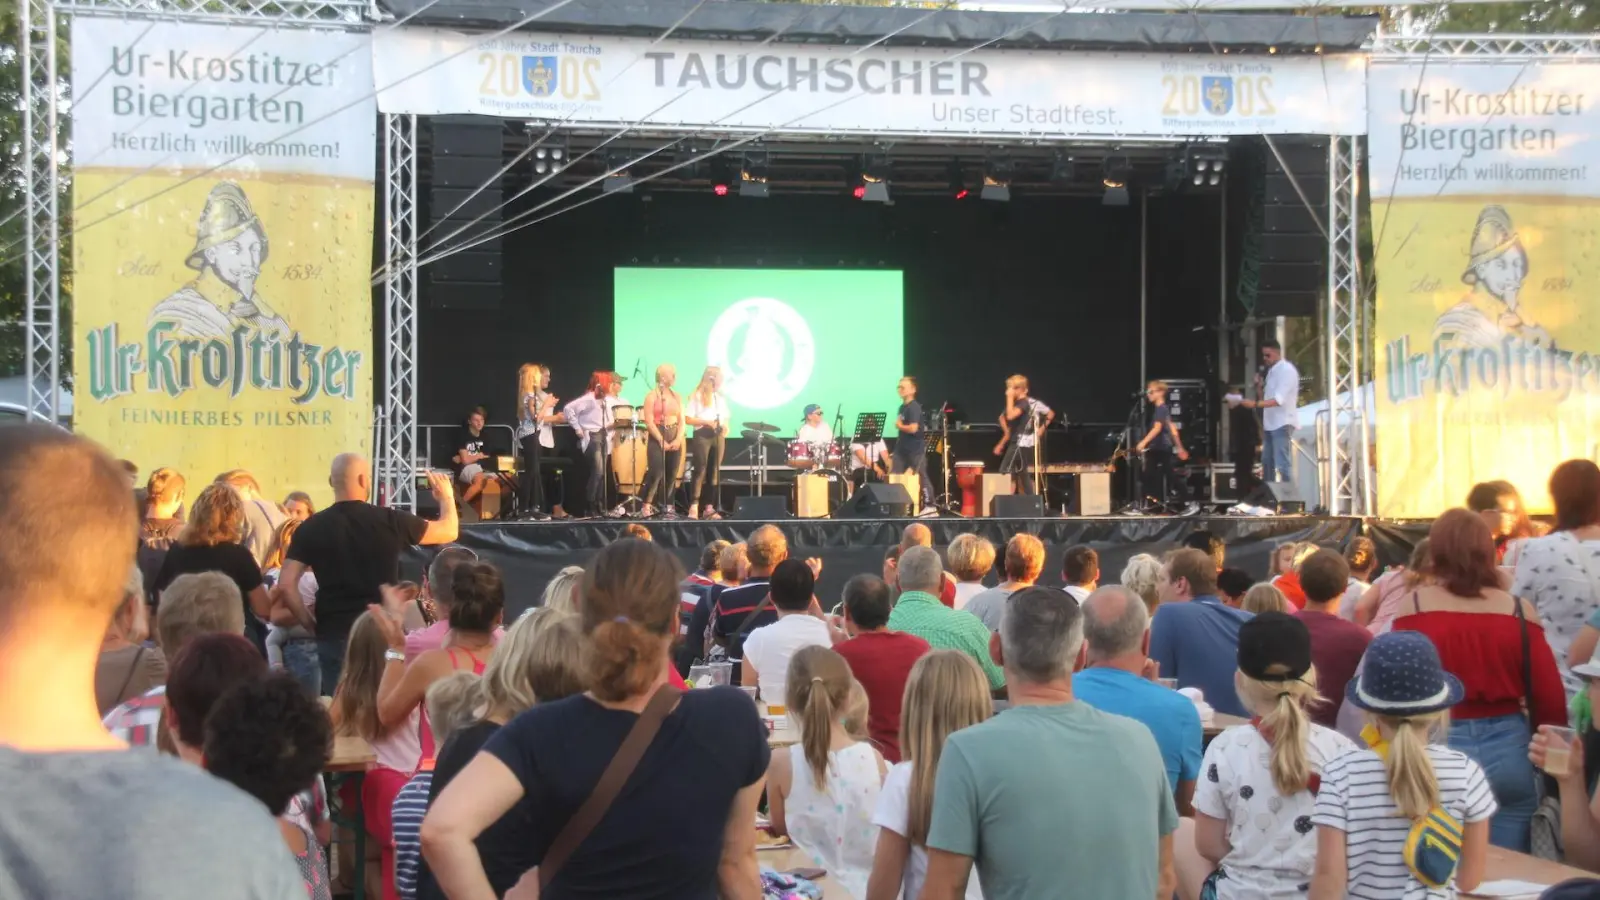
(1346, 482)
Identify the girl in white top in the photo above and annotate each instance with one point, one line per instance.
(822, 791)
(1252, 834)
(945, 693)
(708, 414)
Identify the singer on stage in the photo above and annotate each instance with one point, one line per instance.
(536, 416)
(707, 413)
(663, 419)
(590, 416)
(1022, 425)
(910, 448)
(1160, 443)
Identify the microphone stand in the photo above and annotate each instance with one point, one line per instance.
(946, 502)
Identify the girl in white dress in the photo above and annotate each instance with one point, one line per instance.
(945, 693)
(1252, 837)
(822, 791)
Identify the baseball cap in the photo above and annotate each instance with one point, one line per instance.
(813, 408)
(1274, 646)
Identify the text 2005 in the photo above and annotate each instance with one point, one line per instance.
(1252, 96)
(575, 79)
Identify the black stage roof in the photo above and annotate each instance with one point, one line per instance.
(753, 20)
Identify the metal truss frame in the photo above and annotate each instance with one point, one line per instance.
(1487, 47)
(41, 154)
(1344, 477)
(396, 455)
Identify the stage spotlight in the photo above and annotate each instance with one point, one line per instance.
(1205, 164)
(618, 181)
(549, 157)
(753, 175)
(875, 178)
(958, 180)
(1114, 175)
(720, 189)
(858, 191)
(1063, 169)
(997, 180)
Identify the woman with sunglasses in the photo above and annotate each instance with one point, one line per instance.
(1500, 505)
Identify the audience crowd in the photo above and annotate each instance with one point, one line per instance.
(1336, 730)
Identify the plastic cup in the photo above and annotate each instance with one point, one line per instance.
(1558, 750)
(721, 672)
(748, 691)
(699, 676)
(1169, 683)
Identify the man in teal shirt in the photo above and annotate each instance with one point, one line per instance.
(1051, 799)
(919, 612)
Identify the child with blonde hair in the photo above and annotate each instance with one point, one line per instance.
(1403, 819)
(945, 693)
(1251, 835)
(822, 791)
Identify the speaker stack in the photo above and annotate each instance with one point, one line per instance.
(1294, 253)
(466, 157)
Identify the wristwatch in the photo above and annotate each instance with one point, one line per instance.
(393, 655)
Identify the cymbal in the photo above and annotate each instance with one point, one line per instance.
(751, 434)
(762, 427)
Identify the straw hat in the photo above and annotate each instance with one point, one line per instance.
(1492, 237)
(226, 216)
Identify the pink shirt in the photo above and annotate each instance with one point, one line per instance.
(432, 638)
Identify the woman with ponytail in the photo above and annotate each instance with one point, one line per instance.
(1258, 784)
(945, 693)
(821, 791)
(1405, 819)
(683, 823)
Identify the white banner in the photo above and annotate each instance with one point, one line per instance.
(182, 96)
(718, 85)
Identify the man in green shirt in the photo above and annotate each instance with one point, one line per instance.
(919, 612)
(1051, 799)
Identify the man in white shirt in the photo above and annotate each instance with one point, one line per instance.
(814, 431)
(768, 649)
(590, 416)
(1279, 406)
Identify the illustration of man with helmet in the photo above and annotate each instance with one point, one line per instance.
(1498, 266)
(230, 246)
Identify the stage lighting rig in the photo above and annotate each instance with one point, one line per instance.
(1114, 175)
(1205, 164)
(753, 174)
(958, 180)
(723, 175)
(1063, 169)
(550, 156)
(997, 174)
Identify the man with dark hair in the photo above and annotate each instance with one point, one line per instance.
(767, 650)
(1194, 636)
(69, 532)
(737, 611)
(1080, 569)
(1233, 584)
(472, 448)
(1337, 645)
(1279, 386)
(879, 658)
(1209, 544)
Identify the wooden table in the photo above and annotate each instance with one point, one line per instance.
(1509, 864)
(352, 756)
(1220, 722)
(795, 858)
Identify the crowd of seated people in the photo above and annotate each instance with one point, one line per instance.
(960, 724)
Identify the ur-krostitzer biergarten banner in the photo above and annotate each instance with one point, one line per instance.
(1486, 198)
(222, 308)
(617, 80)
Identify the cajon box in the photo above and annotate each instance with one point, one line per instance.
(913, 487)
(993, 486)
(811, 496)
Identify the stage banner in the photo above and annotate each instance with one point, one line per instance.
(222, 254)
(593, 80)
(1486, 205)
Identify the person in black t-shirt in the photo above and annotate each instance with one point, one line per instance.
(471, 451)
(910, 447)
(210, 543)
(354, 547)
(684, 825)
(1160, 443)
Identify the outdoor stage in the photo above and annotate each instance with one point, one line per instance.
(529, 553)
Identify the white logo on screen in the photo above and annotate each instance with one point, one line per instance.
(765, 350)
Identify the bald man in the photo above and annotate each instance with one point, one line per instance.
(159, 828)
(353, 548)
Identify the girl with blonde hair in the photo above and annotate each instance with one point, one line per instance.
(822, 791)
(971, 559)
(536, 413)
(1252, 825)
(945, 693)
(708, 414)
(561, 594)
(1264, 598)
(1402, 784)
(1140, 576)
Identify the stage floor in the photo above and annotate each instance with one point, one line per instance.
(531, 552)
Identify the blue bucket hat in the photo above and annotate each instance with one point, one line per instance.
(1402, 676)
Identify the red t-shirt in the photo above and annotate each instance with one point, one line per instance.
(1484, 650)
(1289, 584)
(1336, 650)
(882, 661)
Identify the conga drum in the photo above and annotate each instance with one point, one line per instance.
(629, 457)
(968, 474)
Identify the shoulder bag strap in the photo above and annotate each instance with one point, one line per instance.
(610, 784)
(1527, 661)
(750, 617)
(138, 656)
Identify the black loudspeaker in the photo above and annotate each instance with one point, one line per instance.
(463, 206)
(877, 501)
(1293, 252)
(1017, 506)
(770, 506)
(1279, 496)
